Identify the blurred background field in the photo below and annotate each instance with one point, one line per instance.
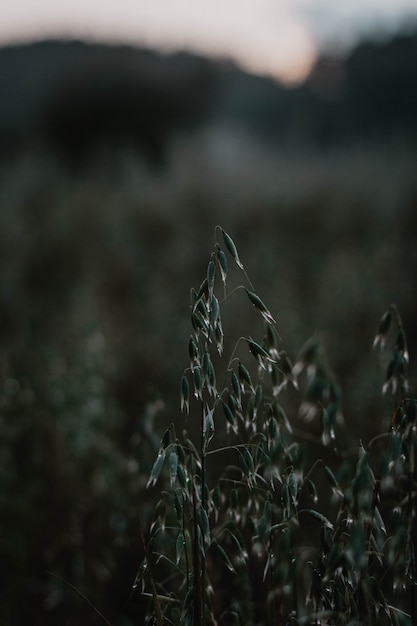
(116, 164)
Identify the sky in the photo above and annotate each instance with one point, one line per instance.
(280, 38)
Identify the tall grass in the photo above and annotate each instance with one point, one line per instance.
(257, 524)
(94, 273)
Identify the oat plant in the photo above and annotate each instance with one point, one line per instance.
(249, 529)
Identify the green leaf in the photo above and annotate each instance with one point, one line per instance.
(258, 395)
(356, 549)
(214, 310)
(270, 561)
(222, 259)
(262, 528)
(272, 428)
(242, 554)
(258, 352)
(249, 460)
(308, 354)
(192, 350)
(204, 526)
(232, 403)
(331, 478)
(234, 499)
(292, 486)
(312, 490)
(218, 337)
(203, 290)
(156, 469)
(286, 500)
(401, 341)
(230, 245)
(211, 275)
(411, 410)
(179, 547)
(244, 466)
(379, 522)
(165, 441)
(159, 514)
(258, 304)
(384, 326)
(270, 337)
(197, 382)
(173, 465)
(211, 379)
(261, 456)
(248, 467)
(185, 394)
(281, 416)
(191, 447)
(236, 388)
(230, 417)
(244, 376)
(178, 497)
(182, 478)
(208, 432)
(204, 364)
(223, 556)
(199, 322)
(267, 512)
(140, 574)
(217, 497)
(187, 604)
(320, 517)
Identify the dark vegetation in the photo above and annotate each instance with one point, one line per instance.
(242, 481)
(115, 167)
(75, 98)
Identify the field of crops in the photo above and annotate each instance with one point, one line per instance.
(96, 271)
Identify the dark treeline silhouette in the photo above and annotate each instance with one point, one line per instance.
(75, 97)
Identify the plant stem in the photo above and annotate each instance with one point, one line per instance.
(196, 568)
(411, 534)
(203, 506)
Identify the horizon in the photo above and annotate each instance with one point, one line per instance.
(268, 38)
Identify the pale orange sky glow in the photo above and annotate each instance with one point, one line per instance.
(273, 37)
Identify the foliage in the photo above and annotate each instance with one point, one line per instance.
(94, 272)
(254, 511)
(77, 97)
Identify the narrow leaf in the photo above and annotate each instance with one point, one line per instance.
(166, 438)
(214, 310)
(230, 245)
(211, 275)
(331, 478)
(185, 394)
(320, 517)
(312, 490)
(223, 556)
(236, 387)
(205, 526)
(178, 504)
(258, 304)
(192, 350)
(208, 426)
(197, 382)
(173, 465)
(156, 469)
(292, 486)
(244, 376)
(179, 547)
(221, 257)
(238, 546)
(182, 478)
